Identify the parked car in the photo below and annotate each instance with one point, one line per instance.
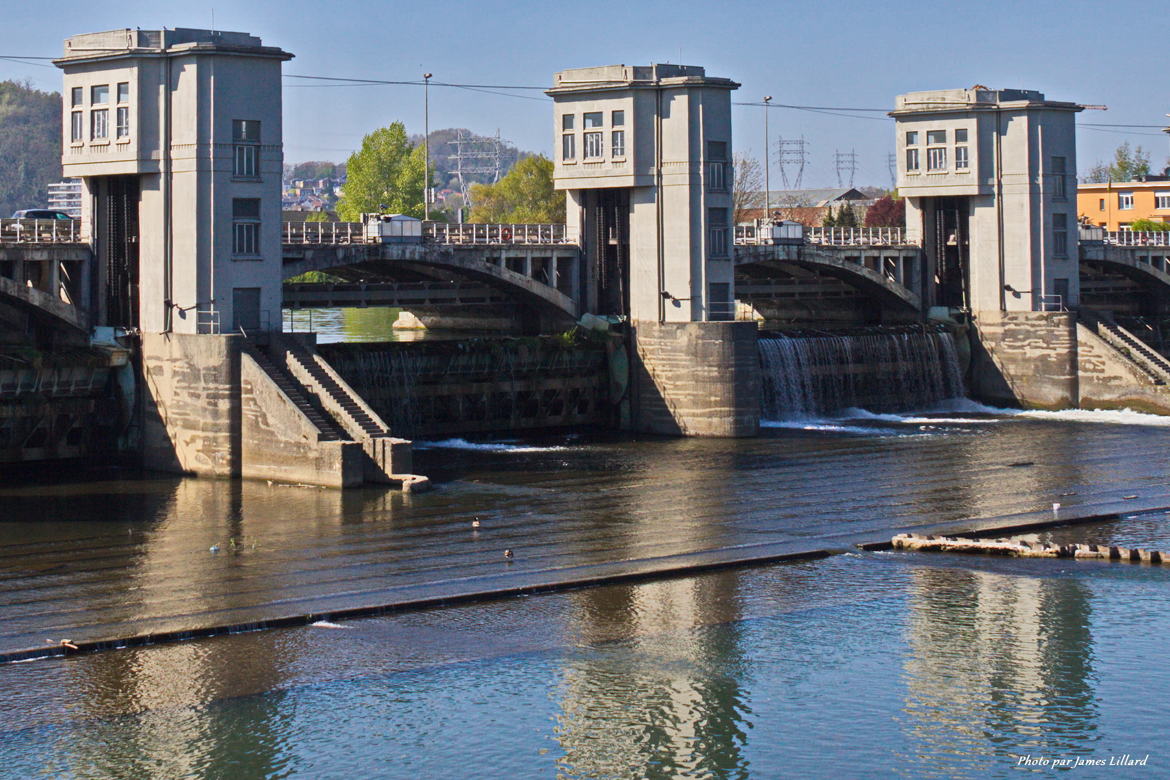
(40, 214)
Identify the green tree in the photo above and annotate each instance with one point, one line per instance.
(1128, 164)
(30, 146)
(526, 194)
(318, 216)
(386, 175)
(1150, 226)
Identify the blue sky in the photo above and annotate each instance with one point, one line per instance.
(843, 53)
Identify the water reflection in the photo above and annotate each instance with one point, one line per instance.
(668, 699)
(999, 665)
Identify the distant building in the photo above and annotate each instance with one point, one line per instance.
(1116, 205)
(66, 196)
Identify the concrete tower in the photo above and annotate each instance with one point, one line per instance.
(176, 135)
(989, 181)
(644, 153)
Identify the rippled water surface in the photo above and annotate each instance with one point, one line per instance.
(857, 665)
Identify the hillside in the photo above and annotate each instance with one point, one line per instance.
(30, 146)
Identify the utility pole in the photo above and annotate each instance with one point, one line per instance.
(846, 164)
(426, 146)
(767, 165)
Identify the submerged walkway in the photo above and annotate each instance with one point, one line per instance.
(105, 561)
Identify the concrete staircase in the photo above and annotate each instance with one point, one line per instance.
(387, 459)
(1144, 357)
(324, 422)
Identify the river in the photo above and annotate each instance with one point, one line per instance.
(861, 664)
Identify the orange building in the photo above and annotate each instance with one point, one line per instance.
(1117, 205)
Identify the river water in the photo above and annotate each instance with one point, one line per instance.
(855, 665)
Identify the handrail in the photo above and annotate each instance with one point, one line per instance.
(1136, 237)
(40, 231)
(330, 233)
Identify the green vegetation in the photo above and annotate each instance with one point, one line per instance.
(1150, 226)
(385, 175)
(315, 277)
(30, 146)
(843, 218)
(526, 194)
(1128, 164)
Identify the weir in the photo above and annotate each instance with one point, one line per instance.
(882, 372)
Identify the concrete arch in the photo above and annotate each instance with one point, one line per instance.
(43, 303)
(1124, 260)
(834, 264)
(471, 262)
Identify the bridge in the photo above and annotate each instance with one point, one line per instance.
(45, 264)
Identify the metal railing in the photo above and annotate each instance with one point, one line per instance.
(40, 231)
(467, 233)
(860, 236)
(324, 233)
(432, 232)
(1135, 237)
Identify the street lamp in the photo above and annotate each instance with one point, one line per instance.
(767, 165)
(426, 146)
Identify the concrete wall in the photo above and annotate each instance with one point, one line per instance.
(1108, 380)
(696, 379)
(191, 419)
(1049, 361)
(210, 410)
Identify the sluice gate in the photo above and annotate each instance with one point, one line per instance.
(444, 387)
(887, 371)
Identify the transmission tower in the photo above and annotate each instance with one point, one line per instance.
(792, 153)
(478, 160)
(846, 166)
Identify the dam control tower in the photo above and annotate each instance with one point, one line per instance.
(176, 137)
(989, 178)
(644, 156)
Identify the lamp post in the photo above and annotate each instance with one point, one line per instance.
(767, 165)
(426, 146)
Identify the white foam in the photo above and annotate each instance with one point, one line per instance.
(327, 624)
(464, 444)
(829, 426)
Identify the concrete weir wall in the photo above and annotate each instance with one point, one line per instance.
(211, 410)
(1047, 360)
(696, 378)
(1025, 359)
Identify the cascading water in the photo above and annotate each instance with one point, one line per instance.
(887, 372)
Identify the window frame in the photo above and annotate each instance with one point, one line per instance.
(962, 158)
(718, 228)
(99, 120)
(568, 147)
(1162, 200)
(76, 97)
(77, 127)
(122, 123)
(246, 229)
(592, 120)
(93, 95)
(617, 118)
(913, 163)
(1060, 234)
(1125, 201)
(936, 159)
(617, 143)
(593, 141)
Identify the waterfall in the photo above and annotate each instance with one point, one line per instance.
(887, 372)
